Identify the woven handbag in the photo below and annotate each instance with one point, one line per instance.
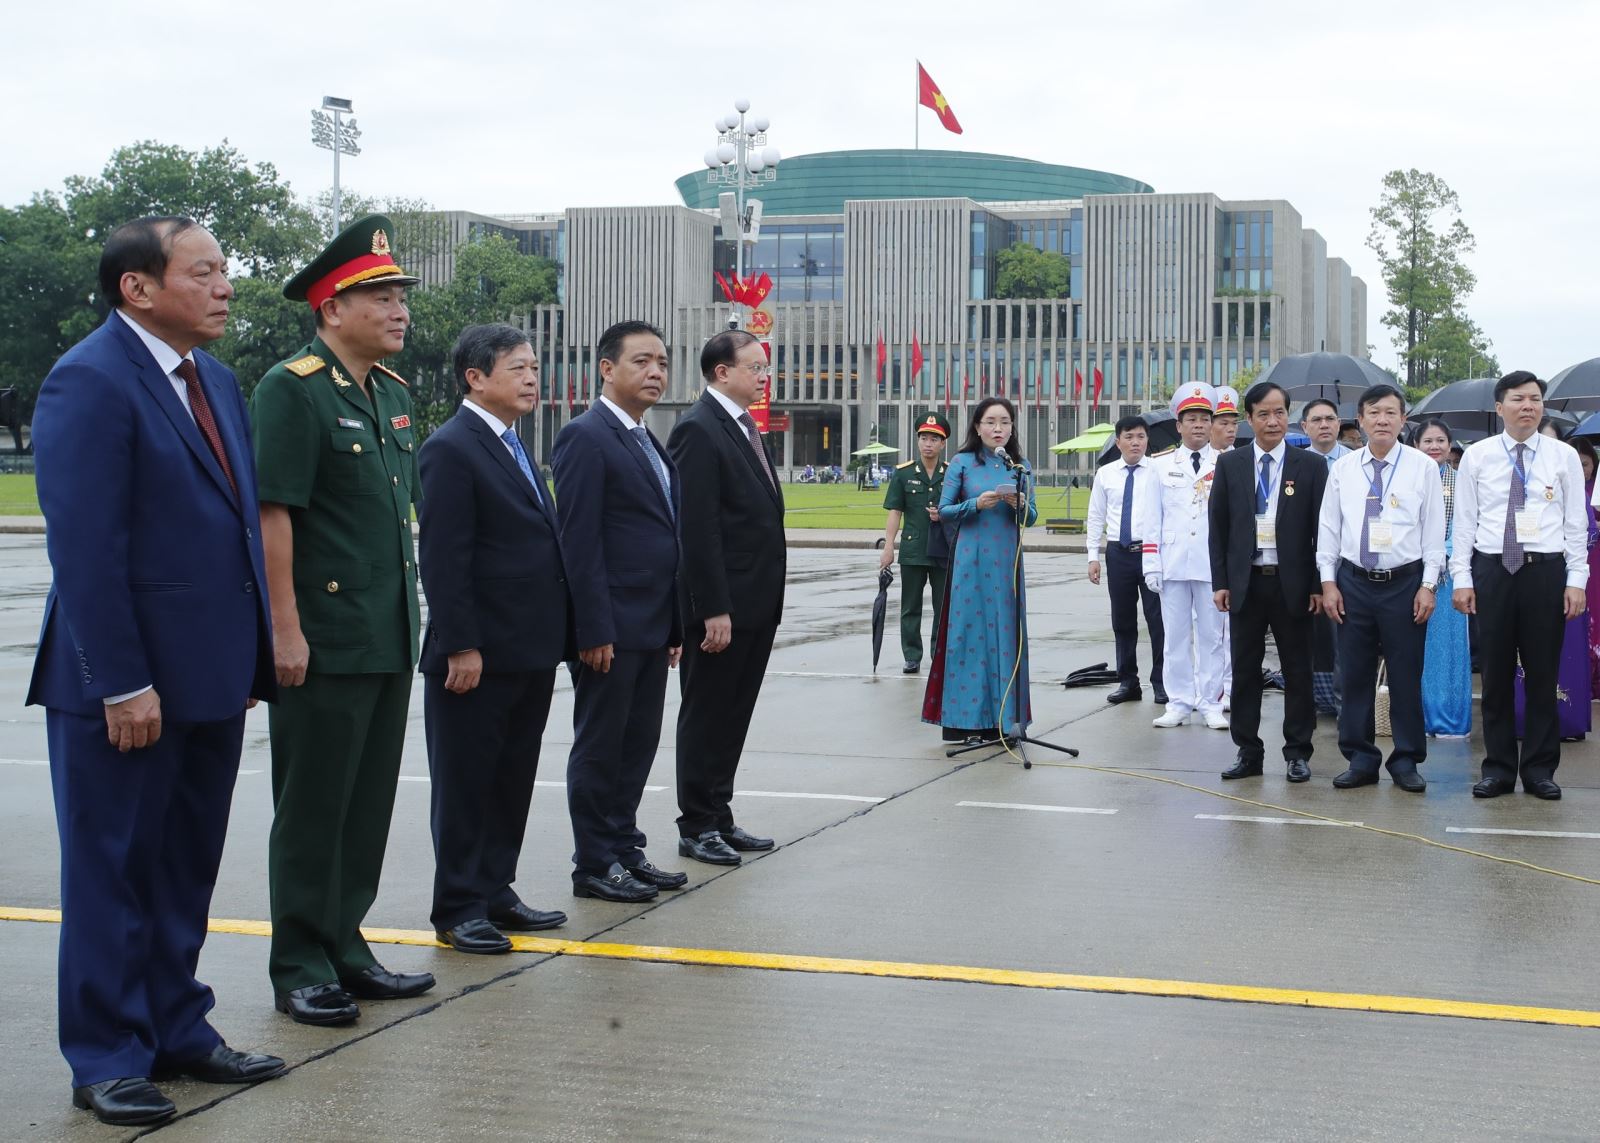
(1380, 708)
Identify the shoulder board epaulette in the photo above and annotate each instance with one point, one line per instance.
(305, 366)
(1164, 452)
(906, 463)
(387, 372)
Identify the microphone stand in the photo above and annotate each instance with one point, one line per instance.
(1014, 741)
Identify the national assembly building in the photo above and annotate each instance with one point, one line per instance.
(882, 259)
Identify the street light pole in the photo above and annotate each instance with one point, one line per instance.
(735, 162)
(331, 133)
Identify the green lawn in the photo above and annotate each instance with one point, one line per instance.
(17, 496)
(841, 506)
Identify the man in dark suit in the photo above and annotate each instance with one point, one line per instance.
(618, 509)
(497, 629)
(730, 590)
(1265, 501)
(156, 639)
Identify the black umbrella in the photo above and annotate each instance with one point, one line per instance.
(1577, 387)
(1337, 376)
(1467, 407)
(1160, 425)
(880, 607)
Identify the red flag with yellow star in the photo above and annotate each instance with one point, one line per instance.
(929, 95)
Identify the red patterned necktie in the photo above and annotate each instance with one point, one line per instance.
(754, 434)
(201, 408)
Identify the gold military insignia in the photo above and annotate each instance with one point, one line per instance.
(905, 464)
(380, 242)
(304, 366)
(387, 372)
(339, 379)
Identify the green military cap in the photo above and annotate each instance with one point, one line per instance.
(358, 256)
(934, 423)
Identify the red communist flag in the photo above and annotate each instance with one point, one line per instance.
(1077, 384)
(929, 95)
(916, 356)
(1099, 384)
(882, 355)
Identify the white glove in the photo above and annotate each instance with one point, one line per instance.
(1153, 582)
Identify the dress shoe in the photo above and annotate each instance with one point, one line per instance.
(708, 847)
(738, 839)
(1243, 769)
(124, 1102)
(1298, 770)
(519, 918)
(1408, 779)
(324, 1005)
(378, 983)
(1170, 719)
(1216, 720)
(1352, 778)
(910, 668)
(475, 936)
(660, 878)
(1125, 694)
(617, 885)
(1493, 788)
(1545, 788)
(224, 1065)
(1159, 695)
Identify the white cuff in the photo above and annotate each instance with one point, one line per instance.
(115, 699)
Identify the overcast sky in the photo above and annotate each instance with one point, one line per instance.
(521, 107)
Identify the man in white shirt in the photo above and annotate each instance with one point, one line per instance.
(1118, 523)
(1520, 565)
(1178, 565)
(1380, 546)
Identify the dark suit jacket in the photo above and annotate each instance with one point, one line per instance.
(159, 577)
(734, 558)
(620, 540)
(1233, 524)
(489, 555)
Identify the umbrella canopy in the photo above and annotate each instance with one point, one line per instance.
(1092, 439)
(1576, 388)
(873, 449)
(1337, 376)
(880, 607)
(1162, 428)
(1588, 427)
(1467, 407)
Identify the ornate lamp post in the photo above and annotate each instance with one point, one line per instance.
(741, 160)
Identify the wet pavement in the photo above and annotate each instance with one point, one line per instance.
(1134, 861)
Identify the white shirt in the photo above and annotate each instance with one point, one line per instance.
(500, 427)
(1180, 497)
(167, 360)
(1105, 506)
(1412, 507)
(1268, 556)
(1338, 450)
(727, 403)
(630, 424)
(1483, 490)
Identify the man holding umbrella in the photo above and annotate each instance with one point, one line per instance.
(913, 496)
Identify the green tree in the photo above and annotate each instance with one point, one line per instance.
(1024, 271)
(1453, 347)
(48, 267)
(1421, 244)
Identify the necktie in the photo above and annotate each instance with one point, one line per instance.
(1194, 459)
(754, 434)
(1511, 554)
(1264, 485)
(201, 408)
(1369, 558)
(654, 458)
(515, 443)
(1125, 536)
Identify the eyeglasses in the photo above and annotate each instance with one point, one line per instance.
(759, 368)
(990, 424)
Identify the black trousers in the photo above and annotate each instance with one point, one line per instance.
(1377, 621)
(1265, 609)
(483, 755)
(1125, 584)
(616, 720)
(719, 696)
(1519, 618)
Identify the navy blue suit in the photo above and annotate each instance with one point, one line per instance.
(621, 540)
(158, 581)
(491, 565)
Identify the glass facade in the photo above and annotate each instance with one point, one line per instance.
(1057, 234)
(1244, 252)
(805, 261)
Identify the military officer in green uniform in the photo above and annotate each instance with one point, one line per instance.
(913, 496)
(337, 478)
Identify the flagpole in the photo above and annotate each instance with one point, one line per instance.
(916, 102)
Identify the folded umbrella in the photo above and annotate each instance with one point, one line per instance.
(880, 608)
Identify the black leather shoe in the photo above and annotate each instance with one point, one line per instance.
(1298, 770)
(617, 885)
(224, 1065)
(124, 1102)
(708, 847)
(1160, 696)
(910, 668)
(1545, 788)
(1352, 778)
(1409, 780)
(745, 842)
(1243, 769)
(521, 919)
(323, 1005)
(660, 878)
(1125, 694)
(475, 936)
(378, 983)
(1492, 788)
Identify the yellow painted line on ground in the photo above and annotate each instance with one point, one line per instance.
(963, 974)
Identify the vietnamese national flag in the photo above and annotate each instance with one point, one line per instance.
(916, 356)
(883, 357)
(1077, 384)
(1099, 384)
(929, 95)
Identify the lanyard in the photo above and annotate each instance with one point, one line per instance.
(1519, 470)
(1394, 467)
(1263, 487)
